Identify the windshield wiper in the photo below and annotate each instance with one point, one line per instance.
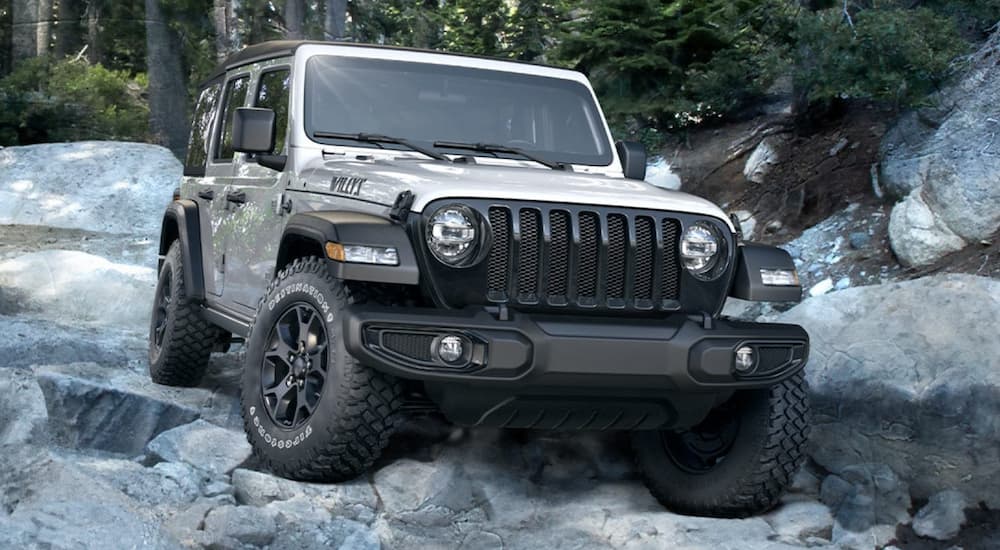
(378, 139)
(494, 148)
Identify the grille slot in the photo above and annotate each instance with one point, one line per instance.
(583, 259)
(408, 344)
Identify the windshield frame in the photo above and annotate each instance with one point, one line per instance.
(608, 158)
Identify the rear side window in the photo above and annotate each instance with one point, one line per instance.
(201, 125)
(236, 96)
(272, 93)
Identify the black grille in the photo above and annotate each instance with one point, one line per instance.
(412, 345)
(583, 259)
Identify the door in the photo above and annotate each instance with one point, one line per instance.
(219, 181)
(257, 225)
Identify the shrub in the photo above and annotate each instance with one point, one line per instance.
(69, 100)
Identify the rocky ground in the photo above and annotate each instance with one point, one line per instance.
(904, 374)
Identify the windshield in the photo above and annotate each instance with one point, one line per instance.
(422, 102)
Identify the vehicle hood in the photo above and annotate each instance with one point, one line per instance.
(381, 180)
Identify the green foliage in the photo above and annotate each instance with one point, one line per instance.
(533, 28)
(893, 55)
(475, 26)
(44, 100)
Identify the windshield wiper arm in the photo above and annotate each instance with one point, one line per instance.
(494, 148)
(378, 139)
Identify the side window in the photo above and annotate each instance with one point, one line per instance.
(201, 125)
(236, 96)
(272, 93)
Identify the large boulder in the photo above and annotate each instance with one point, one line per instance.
(203, 445)
(110, 187)
(946, 162)
(76, 287)
(906, 375)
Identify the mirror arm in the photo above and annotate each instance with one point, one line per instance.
(274, 162)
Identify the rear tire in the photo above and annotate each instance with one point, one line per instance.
(738, 461)
(180, 340)
(310, 410)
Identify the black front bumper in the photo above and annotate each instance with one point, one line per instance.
(646, 372)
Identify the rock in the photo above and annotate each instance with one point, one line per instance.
(245, 524)
(61, 506)
(839, 146)
(426, 494)
(942, 517)
(22, 408)
(859, 240)
(163, 484)
(799, 520)
(75, 287)
(30, 342)
(948, 156)
(905, 375)
(762, 159)
(205, 446)
(354, 499)
(821, 288)
(773, 226)
(842, 283)
(917, 234)
(658, 173)
(118, 410)
(111, 187)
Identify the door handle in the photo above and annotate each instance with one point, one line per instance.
(206, 194)
(238, 197)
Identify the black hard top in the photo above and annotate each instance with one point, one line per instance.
(284, 48)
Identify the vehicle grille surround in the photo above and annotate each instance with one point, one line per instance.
(581, 259)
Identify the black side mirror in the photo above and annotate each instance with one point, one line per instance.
(253, 130)
(633, 157)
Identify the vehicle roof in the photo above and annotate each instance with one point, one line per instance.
(283, 48)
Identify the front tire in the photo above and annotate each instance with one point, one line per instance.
(735, 463)
(180, 340)
(311, 411)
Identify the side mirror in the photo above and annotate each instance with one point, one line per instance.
(253, 130)
(633, 157)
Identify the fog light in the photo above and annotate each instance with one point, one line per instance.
(744, 359)
(450, 349)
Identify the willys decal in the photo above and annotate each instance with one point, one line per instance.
(347, 185)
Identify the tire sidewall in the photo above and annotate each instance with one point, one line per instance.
(172, 267)
(279, 444)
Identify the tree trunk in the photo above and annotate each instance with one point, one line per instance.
(295, 13)
(43, 21)
(220, 20)
(167, 91)
(334, 22)
(94, 53)
(68, 39)
(24, 20)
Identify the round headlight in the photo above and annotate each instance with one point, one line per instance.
(701, 248)
(452, 234)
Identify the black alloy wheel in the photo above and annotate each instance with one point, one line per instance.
(295, 366)
(163, 299)
(701, 448)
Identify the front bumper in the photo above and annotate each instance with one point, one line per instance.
(675, 353)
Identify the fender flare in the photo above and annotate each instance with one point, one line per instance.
(181, 223)
(747, 283)
(319, 228)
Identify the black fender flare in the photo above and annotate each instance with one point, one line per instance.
(319, 228)
(747, 283)
(181, 223)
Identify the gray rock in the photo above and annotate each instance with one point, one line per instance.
(918, 235)
(429, 494)
(355, 499)
(945, 162)
(119, 410)
(747, 223)
(762, 160)
(800, 520)
(245, 524)
(205, 446)
(163, 484)
(905, 375)
(859, 240)
(29, 342)
(942, 517)
(22, 408)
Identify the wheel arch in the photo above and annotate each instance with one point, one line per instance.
(306, 234)
(181, 224)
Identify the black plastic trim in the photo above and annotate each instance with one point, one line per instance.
(355, 228)
(180, 221)
(747, 284)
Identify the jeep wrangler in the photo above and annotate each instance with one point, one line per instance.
(392, 231)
